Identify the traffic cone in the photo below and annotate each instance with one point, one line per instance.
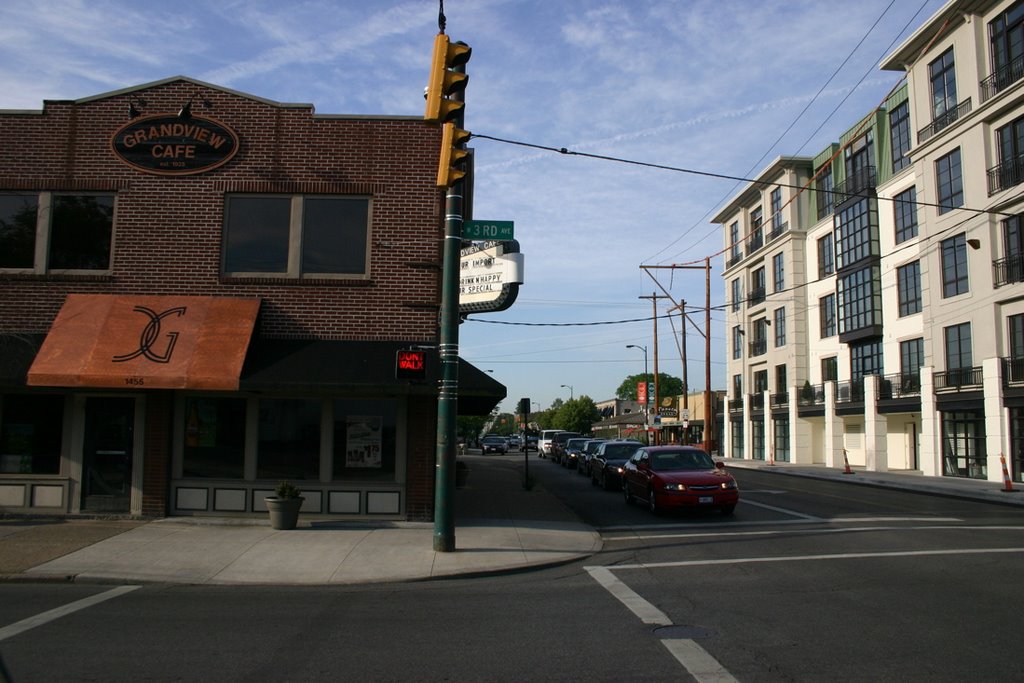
(846, 462)
(1007, 483)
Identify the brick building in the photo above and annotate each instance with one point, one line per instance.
(203, 292)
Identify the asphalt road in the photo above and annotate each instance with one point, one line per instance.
(807, 581)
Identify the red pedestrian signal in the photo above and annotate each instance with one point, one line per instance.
(410, 364)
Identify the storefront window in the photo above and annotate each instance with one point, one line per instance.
(963, 445)
(214, 438)
(289, 439)
(364, 440)
(30, 434)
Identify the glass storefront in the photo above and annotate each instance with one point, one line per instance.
(963, 444)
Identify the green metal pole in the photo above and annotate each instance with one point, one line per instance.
(447, 399)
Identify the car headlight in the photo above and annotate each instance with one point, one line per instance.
(620, 469)
(729, 485)
(674, 487)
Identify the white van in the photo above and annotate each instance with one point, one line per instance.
(544, 445)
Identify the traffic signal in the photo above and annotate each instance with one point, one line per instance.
(410, 364)
(524, 406)
(443, 81)
(452, 153)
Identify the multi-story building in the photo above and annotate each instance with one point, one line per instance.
(203, 293)
(911, 349)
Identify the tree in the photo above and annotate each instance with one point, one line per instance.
(667, 386)
(577, 415)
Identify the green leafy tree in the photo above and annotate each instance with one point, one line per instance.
(667, 386)
(577, 415)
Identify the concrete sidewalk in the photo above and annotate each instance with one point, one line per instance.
(499, 527)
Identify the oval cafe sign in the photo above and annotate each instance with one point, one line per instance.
(166, 144)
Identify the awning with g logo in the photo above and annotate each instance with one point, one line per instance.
(156, 342)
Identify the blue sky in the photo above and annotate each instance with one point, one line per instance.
(718, 86)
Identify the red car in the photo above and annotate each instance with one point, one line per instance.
(670, 477)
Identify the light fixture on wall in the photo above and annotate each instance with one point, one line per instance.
(974, 243)
(186, 110)
(133, 111)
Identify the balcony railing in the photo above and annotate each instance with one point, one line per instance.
(1002, 79)
(900, 385)
(755, 242)
(1013, 372)
(757, 401)
(850, 392)
(1006, 175)
(736, 405)
(778, 230)
(1008, 270)
(734, 259)
(756, 296)
(780, 400)
(758, 347)
(943, 120)
(811, 395)
(863, 179)
(958, 379)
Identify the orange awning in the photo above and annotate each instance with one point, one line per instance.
(156, 342)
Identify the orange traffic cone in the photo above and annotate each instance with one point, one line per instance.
(846, 462)
(1007, 483)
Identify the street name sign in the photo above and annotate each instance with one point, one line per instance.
(499, 231)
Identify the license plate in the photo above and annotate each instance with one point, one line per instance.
(705, 499)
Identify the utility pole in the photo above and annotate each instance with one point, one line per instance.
(681, 307)
(657, 396)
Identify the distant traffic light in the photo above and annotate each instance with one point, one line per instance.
(453, 141)
(443, 81)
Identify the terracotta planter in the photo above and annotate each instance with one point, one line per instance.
(284, 512)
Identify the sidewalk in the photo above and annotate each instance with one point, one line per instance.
(499, 527)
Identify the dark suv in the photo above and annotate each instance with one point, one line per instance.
(558, 442)
(607, 464)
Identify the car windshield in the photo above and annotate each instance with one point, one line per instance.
(575, 443)
(681, 460)
(493, 439)
(620, 450)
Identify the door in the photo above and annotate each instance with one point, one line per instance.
(107, 454)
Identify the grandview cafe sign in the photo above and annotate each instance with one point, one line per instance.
(166, 144)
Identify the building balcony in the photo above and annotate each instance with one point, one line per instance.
(735, 258)
(1005, 175)
(1013, 372)
(856, 184)
(1008, 270)
(757, 401)
(947, 118)
(780, 400)
(758, 347)
(778, 230)
(736, 405)
(1002, 79)
(755, 242)
(851, 391)
(756, 296)
(959, 379)
(900, 385)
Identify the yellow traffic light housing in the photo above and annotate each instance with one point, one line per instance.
(452, 153)
(443, 81)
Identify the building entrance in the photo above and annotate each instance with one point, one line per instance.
(107, 454)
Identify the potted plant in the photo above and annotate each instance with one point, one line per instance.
(284, 506)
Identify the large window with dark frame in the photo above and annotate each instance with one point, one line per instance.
(757, 286)
(857, 232)
(1010, 143)
(826, 198)
(908, 288)
(859, 300)
(959, 355)
(826, 256)
(775, 200)
(954, 266)
(949, 182)
(737, 294)
(1006, 36)
(214, 438)
(905, 208)
(964, 453)
(899, 135)
(780, 430)
(830, 369)
(1015, 344)
(911, 362)
(56, 232)
(942, 75)
(31, 431)
(737, 342)
(778, 272)
(779, 324)
(297, 236)
(827, 315)
(734, 242)
(866, 359)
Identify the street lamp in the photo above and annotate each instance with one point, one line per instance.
(647, 394)
(569, 387)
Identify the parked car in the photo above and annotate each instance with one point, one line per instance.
(589, 448)
(544, 444)
(558, 442)
(606, 465)
(531, 443)
(494, 444)
(670, 477)
(572, 450)
(515, 442)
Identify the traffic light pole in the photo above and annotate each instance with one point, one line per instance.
(447, 399)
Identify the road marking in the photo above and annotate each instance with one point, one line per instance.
(816, 530)
(701, 665)
(648, 613)
(792, 513)
(58, 612)
(809, 558)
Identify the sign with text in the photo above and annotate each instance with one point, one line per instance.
(487, 230)
(489, 276)
(166, 144)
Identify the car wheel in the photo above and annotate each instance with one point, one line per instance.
(728, 509)
(652, 503)
(626, 493)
